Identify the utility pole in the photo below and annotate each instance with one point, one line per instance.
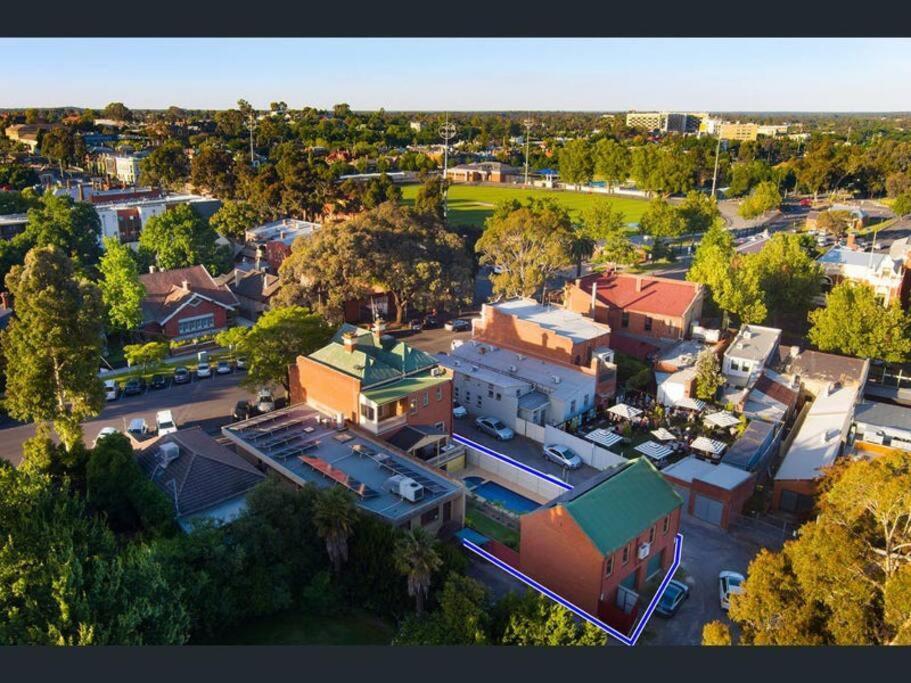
(528, 123)
(447, 132)
(715, 174)
(252, 124)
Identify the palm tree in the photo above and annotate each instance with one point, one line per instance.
(333, 516)
(417, 558)
(581, 247)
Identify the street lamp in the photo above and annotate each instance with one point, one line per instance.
(447, 132)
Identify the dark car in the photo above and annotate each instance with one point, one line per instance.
(134, 386)
(430, 322)
(458, 325)
(242, 411)
(158, 382)
(181, 376)
(673, 596)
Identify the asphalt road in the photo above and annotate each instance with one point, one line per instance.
(207, 403)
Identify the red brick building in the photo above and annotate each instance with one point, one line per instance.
(637, 306)
(598, 544)
(374, 381)
(185, 303)
(713, 493)
(553, 334)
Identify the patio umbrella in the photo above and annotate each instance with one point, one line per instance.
(604, 437)
(706, 445)
(653, 450)
(662, 434)
(721, 419)
(624, 411)
(691, 404)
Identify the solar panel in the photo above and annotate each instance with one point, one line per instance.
(339, 476)
(397, 467)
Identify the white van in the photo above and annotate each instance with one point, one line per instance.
(165, 422)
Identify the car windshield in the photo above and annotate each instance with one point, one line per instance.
(165, 425)
(734, 581)
(670, 595)
(496, 424)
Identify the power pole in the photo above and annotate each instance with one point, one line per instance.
(252, 124)
(715, 174)
(528, 123)
(447, 132)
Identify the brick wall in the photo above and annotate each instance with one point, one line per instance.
(325, 389)
(435, 410)
(171, 329)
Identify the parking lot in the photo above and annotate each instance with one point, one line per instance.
(524, 450)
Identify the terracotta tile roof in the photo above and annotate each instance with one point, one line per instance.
(165, 291)
(658, 296)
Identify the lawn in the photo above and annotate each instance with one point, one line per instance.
(490, 528)
(472, 204)
(297, 628)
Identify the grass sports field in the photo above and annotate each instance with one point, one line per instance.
(472, 204)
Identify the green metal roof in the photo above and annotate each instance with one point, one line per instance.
(371, 361)
(405, 386)
(623, 505)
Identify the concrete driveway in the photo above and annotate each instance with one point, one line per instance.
(707, 550)
(524, 450)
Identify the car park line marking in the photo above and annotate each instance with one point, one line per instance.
(510, 461)
(630, 640)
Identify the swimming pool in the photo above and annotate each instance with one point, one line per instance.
(493, 492)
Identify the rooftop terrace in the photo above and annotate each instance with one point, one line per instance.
(307, 448)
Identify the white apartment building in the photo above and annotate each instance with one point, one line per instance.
(749, 353)
(884, 272)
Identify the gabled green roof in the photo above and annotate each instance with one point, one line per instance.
(622, 505)
(372, 362)
(403, 387)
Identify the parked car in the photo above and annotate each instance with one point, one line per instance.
(430, 322)
(416, 325)
(223, 367)
(158, 382)
(134, 386)
(495, 428)
(673, 596)
(164, 420)
(563, 456)
(111, 390)
(458, 325)
(242, 411)
(105, 431)
(240, 362)
(729, 583)
(181, 375)
(459, 411)
(203, 370)
(265, 402)
(138, 428)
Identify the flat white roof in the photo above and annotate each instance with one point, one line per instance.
(482, 374)
(754, 342)
(286, 230)
(819, 440)
(851, 257)
(565, 323)
(720, 475)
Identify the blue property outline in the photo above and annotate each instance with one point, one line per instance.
(578, 611)
(524, 578)
(510, 461)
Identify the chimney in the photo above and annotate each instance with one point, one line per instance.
(80, 193)
(185, 284)
(236, 278)
(153, 269)
(379, 327)
(851, 242)
(594, 297)
(638, 283)
(349, 339)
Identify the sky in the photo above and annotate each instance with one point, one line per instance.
(514, 74)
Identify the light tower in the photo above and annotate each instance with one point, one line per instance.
(528, 124)
(447, 132)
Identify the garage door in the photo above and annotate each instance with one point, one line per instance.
(708, 509)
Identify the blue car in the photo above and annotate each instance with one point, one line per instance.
(673, 596)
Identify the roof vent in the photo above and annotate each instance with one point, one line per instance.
(513, 368)
(167, 453)
(474, 368)
(556, 379)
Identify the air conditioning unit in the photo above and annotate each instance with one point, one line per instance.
(644, 550)
(168, 453)
(406, 487)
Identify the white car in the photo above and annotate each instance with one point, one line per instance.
(203, 370)
(495, 428)
(164, 420)
(459, 411)
(265, 401)
(105, 431)
(729, 583)
(111, 390)
(563, 456)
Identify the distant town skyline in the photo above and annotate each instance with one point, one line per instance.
(419, 74)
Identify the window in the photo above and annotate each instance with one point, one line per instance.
(666, 525)
(198, 323)
(413, 409)
(578, 359)
(572, 406)
(648, 324)
(479, 401)
(440, 425)
(625, 558)
(385, 411)
(430, 516)
(426, 399)
(439, 393)
(735, 366)
(585, 401)
(368, 413)
(499, 396)
(455, 392)
(447, 511)
(624, 319)
(651, 535)
(468, 396)
(609, 566)
(490, 391)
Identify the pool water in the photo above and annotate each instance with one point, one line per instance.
(493, 492)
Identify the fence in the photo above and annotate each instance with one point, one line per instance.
(533, 431)
(514, 475)
(591, 454)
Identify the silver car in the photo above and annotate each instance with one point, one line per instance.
(563, 456)
(495, 428)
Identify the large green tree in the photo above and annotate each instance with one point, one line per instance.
(234, 218)
(764, 197)
(854, 323)
(73, 227)
(611, 161)
(662, 221)
(213, 170)
(708, 375)
(121, 290)
(416, 557)
(529, 243)
(461, 620)
(166, 166)
(576, 163)
(181, 238)
(533, 620)
(789, 276)
(53, 345)
(333, 517)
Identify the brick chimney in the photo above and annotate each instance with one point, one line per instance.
(851, 242)
(349, 340)
(379, 327)
(638, 283)
(236, 278)
(185, 284)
